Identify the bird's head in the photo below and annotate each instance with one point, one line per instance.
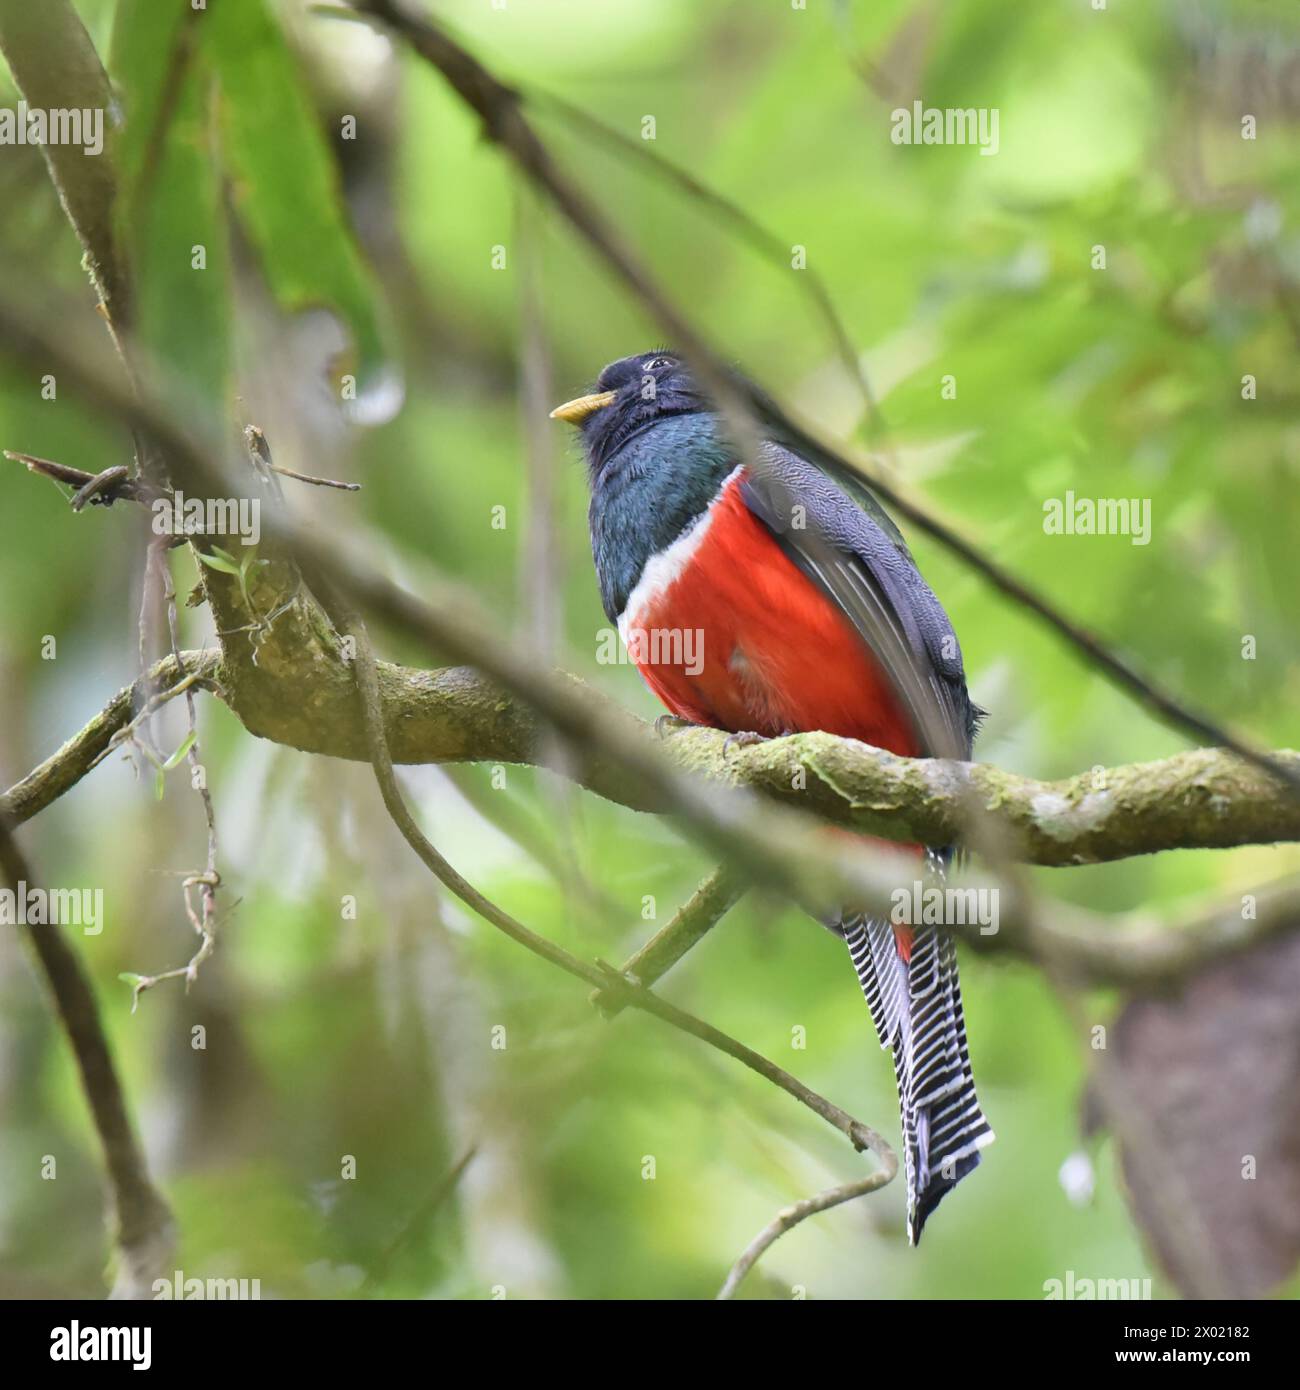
(630, 396)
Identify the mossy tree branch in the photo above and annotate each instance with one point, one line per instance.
(286, 670)
(301, 693)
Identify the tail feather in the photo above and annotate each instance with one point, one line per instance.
(882, 973)
(916, 1007)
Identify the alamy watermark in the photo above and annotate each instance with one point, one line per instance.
(680, 647)
(919, 124)
(33, 125)
(179, 1288)
(22, 906)
(1074, 1287)
(936, 905)
(179, 515)
(1098, 516)
(77, 1343)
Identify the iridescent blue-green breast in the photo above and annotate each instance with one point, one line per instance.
(648, 494)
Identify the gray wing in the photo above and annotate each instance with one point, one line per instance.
(849, 547)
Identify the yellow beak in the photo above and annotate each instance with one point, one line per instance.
(576, 411)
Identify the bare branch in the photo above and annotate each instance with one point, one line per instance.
(103, 488)
(789, 1217)
(701, 912)
(142, 1223)
(88, 747)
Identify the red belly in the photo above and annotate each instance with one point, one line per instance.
(775, 655)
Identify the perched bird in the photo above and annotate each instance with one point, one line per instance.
(812, 615)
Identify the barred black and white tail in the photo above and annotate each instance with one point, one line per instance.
(916, 1006)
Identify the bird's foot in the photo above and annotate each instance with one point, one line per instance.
(668, 724)
(746, 738)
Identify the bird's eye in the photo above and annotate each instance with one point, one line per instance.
(657, 362)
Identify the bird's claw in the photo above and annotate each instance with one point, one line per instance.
(744, 739)
(672, 724)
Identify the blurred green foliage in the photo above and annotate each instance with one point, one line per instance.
(371, 1034)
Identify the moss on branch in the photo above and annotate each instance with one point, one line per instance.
(301, 692)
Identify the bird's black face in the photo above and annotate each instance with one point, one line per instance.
(630, 395)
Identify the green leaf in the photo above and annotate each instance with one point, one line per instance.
(175, 759)
(218, 559)
(170, 219)
(145, 32)
(284, 182)
(159, 784)
(129, 978)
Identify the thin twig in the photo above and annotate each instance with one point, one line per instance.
(102, 483)
(860, 1135)
(259, 453)
(86, 749)
(316, 482)
(701, 912)
(766, 243)
(145, 622)
(789, 1217)
(209, 880)
(155, 702)
(205, 928)
(102, 488)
